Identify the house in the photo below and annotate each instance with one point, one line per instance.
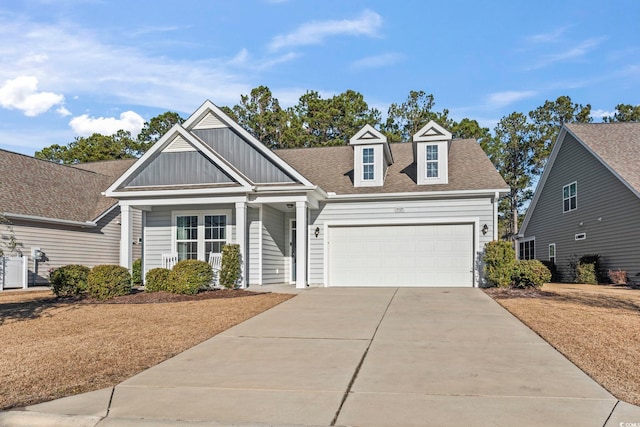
(367, 214)
(60, 211)
(588, 199)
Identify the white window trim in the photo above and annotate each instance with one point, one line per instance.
(555, 253)
(372, 164)
(200, 214)
(427, 161)
(569, 198)
(580, 236)
(421, 163)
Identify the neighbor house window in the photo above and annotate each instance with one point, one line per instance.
(215, 233)
(187, 236)
(570, 197)
(552, 253)
(367, 164)
(527, 250)
(432, 161)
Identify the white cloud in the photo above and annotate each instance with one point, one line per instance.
(575, 52)
(63, 111)
(377, 61)
(129, 120)
(502, 99)
(549, 37)
(22, 94)
(315, 32)
(598, 114)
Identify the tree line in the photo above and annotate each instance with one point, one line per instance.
(518, 146)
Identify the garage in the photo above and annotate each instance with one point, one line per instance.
(401, 255)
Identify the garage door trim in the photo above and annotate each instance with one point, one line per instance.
(474, 221)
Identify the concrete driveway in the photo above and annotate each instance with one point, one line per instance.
(357, 357)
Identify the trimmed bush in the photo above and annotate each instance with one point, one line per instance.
(108, 281)
(190, 276)
(69, 280)
(157, 279)
(136, 272)
(618, 277)
(586, 273)
(596, 260)
(230, 270)
(553, 268)
(530, 273)
(499, 260)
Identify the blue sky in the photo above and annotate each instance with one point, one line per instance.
(74, 67)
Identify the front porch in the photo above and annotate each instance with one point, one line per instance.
(267, 228)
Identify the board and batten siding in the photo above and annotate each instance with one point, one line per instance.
(606, 208)
(451, 209)
(253, 254)
(64, 245)
(273, 246)
(158, 229)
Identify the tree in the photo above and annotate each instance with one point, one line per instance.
(515, 151)
(549, 118)
(259, 113)
(624, 113)
(93, 148)
(467, 128)
(404, 120)
(155, 129)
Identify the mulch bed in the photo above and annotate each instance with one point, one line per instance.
(139, 296)
(510, 293)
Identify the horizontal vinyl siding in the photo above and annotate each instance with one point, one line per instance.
(253, 254)
(273, 246)
(608, 210)
(65, 245)
(450, 209)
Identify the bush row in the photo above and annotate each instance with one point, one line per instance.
(100, 282)
(502, 269)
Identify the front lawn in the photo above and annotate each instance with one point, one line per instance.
(53, 347)
(596, 327)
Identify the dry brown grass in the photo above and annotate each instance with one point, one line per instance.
(51, 348)
(596, 327)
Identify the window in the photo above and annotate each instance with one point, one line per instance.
(570, 197)
(432, 161)
(187, 237)
(527, 249)
(581, 236)
(215, 233)
(552, 253)
(367, 164)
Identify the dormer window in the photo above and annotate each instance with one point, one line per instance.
(368, 167)
(432, 161)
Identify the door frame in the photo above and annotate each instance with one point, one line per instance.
(293, 226)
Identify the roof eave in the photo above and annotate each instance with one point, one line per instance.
(58, 221)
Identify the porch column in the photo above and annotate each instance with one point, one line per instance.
(301, 245)
(126, 236)
(241, 239)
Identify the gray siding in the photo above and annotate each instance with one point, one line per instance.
(480, 208)
(273, 246)
(182, 168)
(607, 209)
(253, 254)
(253, 164)
(65, 245)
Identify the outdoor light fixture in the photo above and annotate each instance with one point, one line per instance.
(317, 231)
(289, 205)
(485, 229)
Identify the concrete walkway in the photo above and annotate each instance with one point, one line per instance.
(365, 357)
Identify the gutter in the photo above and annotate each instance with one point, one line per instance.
(425, 194)
(83, 224)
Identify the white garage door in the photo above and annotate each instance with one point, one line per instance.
(401, 255)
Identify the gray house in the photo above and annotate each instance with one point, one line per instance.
(367, 214)
(588, 199)
(60, 210)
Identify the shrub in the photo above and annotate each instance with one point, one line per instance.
(499, 260)
(618, 277)
(108, 281)
(69, 280)
(190, 276)
(230, 270)
(596, 260)
(586, 273)
(530, 273)
(553, 268)
(157, 279)
(136, 272)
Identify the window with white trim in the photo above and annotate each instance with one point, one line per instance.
(367, 164)
(215, 233)
(432, 161)
(187, 237)
(527, 249)
(570, 197)
(552, 253)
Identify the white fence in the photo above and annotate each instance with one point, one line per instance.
(14, 272)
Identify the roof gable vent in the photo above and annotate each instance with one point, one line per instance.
(178, 145)
(210, 121)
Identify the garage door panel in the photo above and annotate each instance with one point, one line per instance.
(402, 255)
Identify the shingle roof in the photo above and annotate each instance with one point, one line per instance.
(34, 187)
(617, 144)
(331, 168)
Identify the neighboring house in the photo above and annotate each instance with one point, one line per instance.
(61, 211)
(368, 214)
(588, 199)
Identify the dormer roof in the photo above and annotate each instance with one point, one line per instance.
(432, 132)
(369, 135)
